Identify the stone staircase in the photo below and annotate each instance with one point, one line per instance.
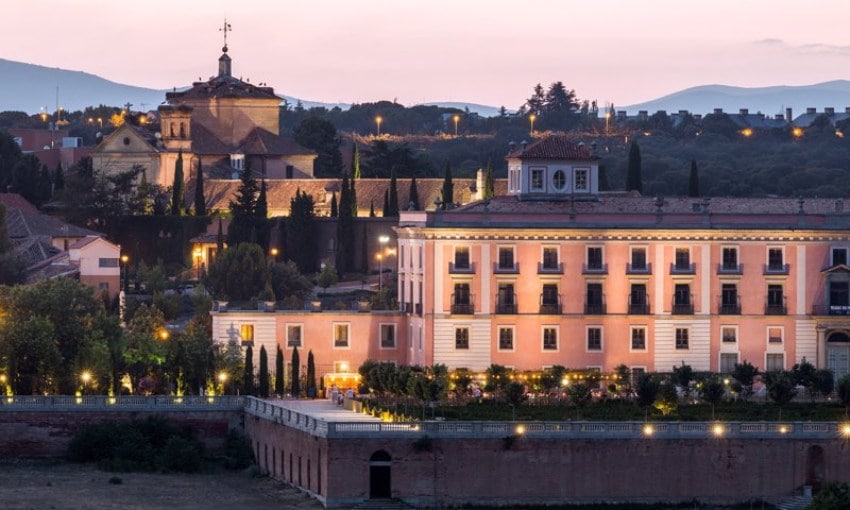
(382, 504)
(794, 503)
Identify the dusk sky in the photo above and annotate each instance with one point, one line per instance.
(483, 51)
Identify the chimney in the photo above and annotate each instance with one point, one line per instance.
(789, 115)
(524, 144)
(829, 111)
(744, 112)
(778, 116)
(643, 114)
(683, 113)
(479, 184)
(811, 111)
(718, 111)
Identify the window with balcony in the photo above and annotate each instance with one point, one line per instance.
(729, 302)
(461, 262)
(341, 335)
(550, 338)
(388, 336)
(774, 335)
(594, 301)
(682, 339)
(638, 301)
(728, 360)
(729, 259)
(462, 299)
(839, 298)
(246, 333)
(550, 300)
(638, 262)
(729, 334)
(550, 260)
(839, 256)
(638, 338)
(293, 335)
(506, 299)
(776, 261)
(682, 299)
(506, 259)
(594, 338)
(462, 338)
(682, 262)
(506, 338)
(536, 179)
(775, 300)
(774, 362)
(594, 259)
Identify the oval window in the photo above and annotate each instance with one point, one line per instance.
(559, 180)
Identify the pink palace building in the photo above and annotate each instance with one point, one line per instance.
(557, 273)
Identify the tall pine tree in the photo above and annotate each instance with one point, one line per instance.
(448, 187)
(372, 208)
(393, 203)
(58, 178)
(200, 200)
(219, 239)
(261, 212)
(386, 209)
(300, 232)
(413, 200)
(278, 372)
(263, 386)
(248, 376)
(295, 373)
(693, 180)
(355, 161)
(177, 188)
(634, 181)
(344, 231)
(243, 210)
(489, 182)
(353, 198)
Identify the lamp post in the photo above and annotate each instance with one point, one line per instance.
(532, 118)
(378, 121)
(123, 272)
(456, 118)
(85, 377)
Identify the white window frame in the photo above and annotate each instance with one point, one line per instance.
(645, 249)
(724, 343)
(781, 250)
(454, 255)
(499, 249)
(543, 248)
(531, 172)
(775, 345)
(690, 255)
(832, 250)
(468, 338)
(774, 353)
(300, 327)
(720, 360)
(543, 329)
(381, 327)
(737, 256)
(334, 326)
(632, 348)
(499, 329)
(587, 338)
(587, 256)
(576, 172)
(676, 339)
(420, 339)
(565, 186)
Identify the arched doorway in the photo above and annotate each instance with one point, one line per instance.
(838, 353)
(380, 486)
(815, 467)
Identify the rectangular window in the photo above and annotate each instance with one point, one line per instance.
(839, 256)
(247, 333)
(839, 295)
(728, 360)
(340, 335)
(594, 257)
(461, 338)
(107, 262)
(638, 302)
(550, 258)
(638, 259)
(594, 300)
(683, 259)
(536, 179)
(506, 339)
(638, 339)
(506, 299)
(461, 295)
(462, 257)
(729, 299)
(730, 259)
(775, 259)
(506, 257)
(293, 335)
(594, 339)
(388, 336)
(581, 182)
(774, 335)
(550, 338)
(729, 334)
(682, 299)
(774, 362)
(682, 338)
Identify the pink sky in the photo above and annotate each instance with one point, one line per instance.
(482, 51)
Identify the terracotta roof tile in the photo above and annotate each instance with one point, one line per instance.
(554, 147)
(16, 201)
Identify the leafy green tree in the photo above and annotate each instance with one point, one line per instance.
(497, 378)
(238, 273)
(321, 136)
(177, 187)
(355, 161)
(288, 282)
(624, 380)
(392, 206)
(515, 394)
(667, 399)
(745, 373)
(248, 387)
(200, 199)
(311, 375)
(262, 210)
(219, 238)
(844, 392)
(10, 153)
(300, 232)
(189, 361)
(31, 355)
(263, 386)
(634, 181)
(804, 374)
(295, 373)
(448, 187)
(12, 267)
(580, 396)
(780, 388)
(824, 382)
(278, 372)
(647, 391)
(712, 392)
(693, 180)
(832, 496)
(327, 277)
(146, 348)
(25, 178)
(58, 178)
(413, 199)
(682, 376)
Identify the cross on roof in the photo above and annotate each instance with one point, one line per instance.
(225, 29)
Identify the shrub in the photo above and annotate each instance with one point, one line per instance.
(182, 455)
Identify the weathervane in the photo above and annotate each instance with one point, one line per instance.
(225, 29)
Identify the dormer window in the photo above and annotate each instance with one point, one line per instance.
(537, 179)
(237, 161)
(581, 180)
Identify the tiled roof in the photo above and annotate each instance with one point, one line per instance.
(23, 225)
(16, 201)
(204, 142)
(221, 87)
(83, 242)
(554, 147)
(280, 192)
(261, 141)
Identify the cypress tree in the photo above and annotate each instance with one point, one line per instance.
(386, 210)
(393, 204)
(45, 185)
(219, 238)
(295, 373)
(489, 182)
(263, 387)
(448, 187)
(59, 178)
(355, 161)
(278, 372)
(344, 231)
(311, 374)
(693, 180)
(200, 200)
(334, 208)
(248, 377)
(300, 232)
(353, 198)
(5, 243)
(261, 212)
(177, 189)
(634, 181)
(414, 196)
(372, 208)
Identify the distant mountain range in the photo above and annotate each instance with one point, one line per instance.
(29, 88)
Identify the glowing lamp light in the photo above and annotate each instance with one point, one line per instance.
(845, 430)
(797, 132)
(783, 429)
(747, 132)
(85, 376)
(222, 377)
(718, 430)
(648, 430)
(520, 429)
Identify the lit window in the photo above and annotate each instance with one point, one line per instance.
(461, 338)
(293, 335)
(550, 338)
(594, 339)
(247, 333)
(682, 338)
(388, 336)
(639, 339)
(506, 339)
(340, 335)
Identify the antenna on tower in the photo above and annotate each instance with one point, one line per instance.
(225, 29)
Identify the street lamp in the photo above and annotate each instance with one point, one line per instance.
(163, 334)
(85, 376)
(456, 119)
(378, 121)
(531, 119)
(199, 255)
(123, 272)
(273, 252)
(222, 380)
